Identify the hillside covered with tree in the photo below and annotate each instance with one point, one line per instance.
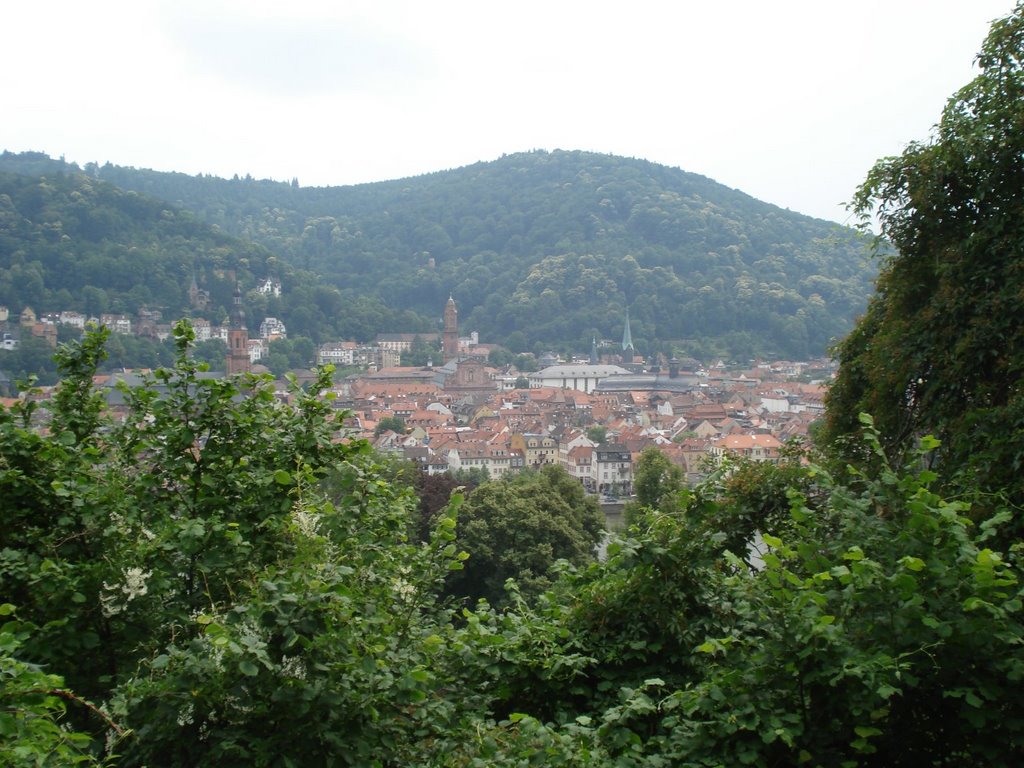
(69, 241)
(544, 248)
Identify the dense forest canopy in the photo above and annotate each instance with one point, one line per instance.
(552, 245)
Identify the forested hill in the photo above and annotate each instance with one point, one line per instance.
(547, 247)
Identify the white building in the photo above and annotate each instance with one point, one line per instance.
(339, 353)
(271, 328)
(74, 319)
(269, 287)
(612, 470)
(202, 328)
(256, 350)
(581, 376)
(117, 323)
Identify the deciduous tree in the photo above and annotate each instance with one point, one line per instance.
(941, 347)
(518, 528)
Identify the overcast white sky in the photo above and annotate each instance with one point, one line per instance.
(790, 101)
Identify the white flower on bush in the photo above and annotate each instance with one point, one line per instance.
(404, 591)
(306, 522)
(115, 597)
(294, 667)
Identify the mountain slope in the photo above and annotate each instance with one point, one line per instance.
(553, 246)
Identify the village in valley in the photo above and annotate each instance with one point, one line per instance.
(592, 416)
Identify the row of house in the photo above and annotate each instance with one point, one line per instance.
(691, 423)
(146, 324)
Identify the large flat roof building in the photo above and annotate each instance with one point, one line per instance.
(581, 376)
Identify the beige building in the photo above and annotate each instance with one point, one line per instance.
(536, 449)
(756, 447)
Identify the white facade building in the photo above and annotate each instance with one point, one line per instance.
(581, 376)
(272, 328)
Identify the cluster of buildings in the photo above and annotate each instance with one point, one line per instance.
(146, 323)
(525, 428)
(463, 414)
(592, 417)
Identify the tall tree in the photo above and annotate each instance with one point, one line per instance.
(518, 528)
(655, 478)
(941, 347)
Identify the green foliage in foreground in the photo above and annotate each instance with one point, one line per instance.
(216, 579)
(941, 347)
(881, 630)
(519, 528)
(33, 705)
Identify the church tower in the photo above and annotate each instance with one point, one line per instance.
(450, 337)
(627, 341)
(237, 360)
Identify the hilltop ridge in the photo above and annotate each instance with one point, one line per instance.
(539, 248)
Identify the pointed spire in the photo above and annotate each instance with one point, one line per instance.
(594, 359)
(627, 341)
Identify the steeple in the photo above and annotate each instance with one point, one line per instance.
(594, 359)
(237, 310)
(197, 297)
(237, 360)
(627, 341)
(450, 337)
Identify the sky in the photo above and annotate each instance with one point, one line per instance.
(790, 101)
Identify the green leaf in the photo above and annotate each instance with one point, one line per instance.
(281, 477)
(247, 668)
(975, 603)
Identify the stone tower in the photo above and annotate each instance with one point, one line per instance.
(450, 337)
(237, 360)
